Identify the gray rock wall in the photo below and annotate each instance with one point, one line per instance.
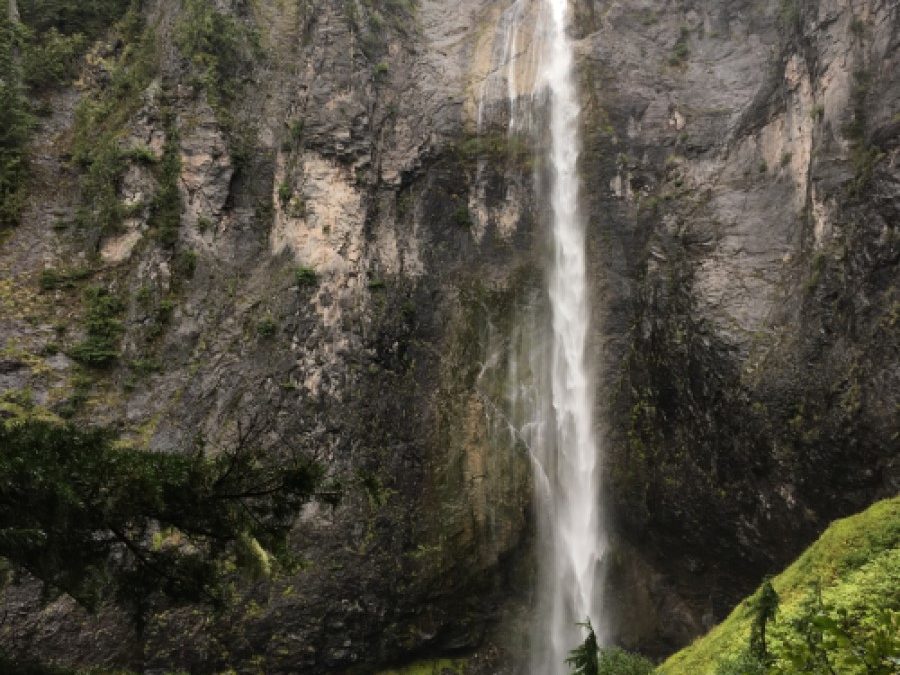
(741, 182)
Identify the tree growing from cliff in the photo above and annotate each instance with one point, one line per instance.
(589, 659)
(99, 521)
(585, 658)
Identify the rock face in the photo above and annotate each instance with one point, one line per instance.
(348, 249)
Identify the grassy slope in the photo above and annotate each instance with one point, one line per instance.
(438, 667)
(856, 562)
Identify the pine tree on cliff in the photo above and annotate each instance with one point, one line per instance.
(585, 658)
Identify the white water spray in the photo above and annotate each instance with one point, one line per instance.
(549, 395)
(573, 504)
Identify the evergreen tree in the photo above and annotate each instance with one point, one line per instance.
(585, 658)
(765, 607)
(101, 522)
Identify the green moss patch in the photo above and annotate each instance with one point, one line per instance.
(431, 667)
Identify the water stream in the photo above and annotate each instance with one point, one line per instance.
(575, 491)
(550, 380)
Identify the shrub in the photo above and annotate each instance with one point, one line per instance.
(141, 154)
(52, 279)
(165, 210)
(615, 661)
(52, 59)
(185, 264)
(284, 193)
(99, 121)
(680, 51)
(266, 328)
(297, 130)
(306, 276)
(220, 49)
(462, 216)
(100, 348)
(15, 127)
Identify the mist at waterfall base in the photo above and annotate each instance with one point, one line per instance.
(548, 395)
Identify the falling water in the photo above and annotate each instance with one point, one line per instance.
(549, 402)
(573, 502)
(550, 383)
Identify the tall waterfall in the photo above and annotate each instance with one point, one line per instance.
(573, 503)
(550, 379)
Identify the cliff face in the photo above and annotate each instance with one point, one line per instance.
(310, 241)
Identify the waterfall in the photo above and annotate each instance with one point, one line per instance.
(573, 502)
(550, 381)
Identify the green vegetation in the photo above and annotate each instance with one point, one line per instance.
(838, 609)
(52, 59)
(863, 155)
(100, 120)
(52, 279)
(16, 667)
(589, 659)
(220, 49)
(789, 16)
(99, 521)
(73, 17)
(166, 207)
(104, 329)
(436, 667)
(680, 50)
(266, 328)
(50, 41)
(585, 658)
(496, 148)
(462, 216)
(285, 192)
(615, 661)
(305, 276)
(56, 34)
(15, 126)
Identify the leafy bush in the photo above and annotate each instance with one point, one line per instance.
(53, 59)
(285, 191)
(70, 17)
(52, 279)
(744, 664)
(306, 276)
(100, 119)
(462, 216)
(100, 347)
(589, 659)
(680, 51)
(214, 42)
(615, 661)
(266, 328)
(15, 126)
(166, 207)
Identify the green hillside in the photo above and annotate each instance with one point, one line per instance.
(838, 612)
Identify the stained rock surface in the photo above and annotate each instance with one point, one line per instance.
(356, 237)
